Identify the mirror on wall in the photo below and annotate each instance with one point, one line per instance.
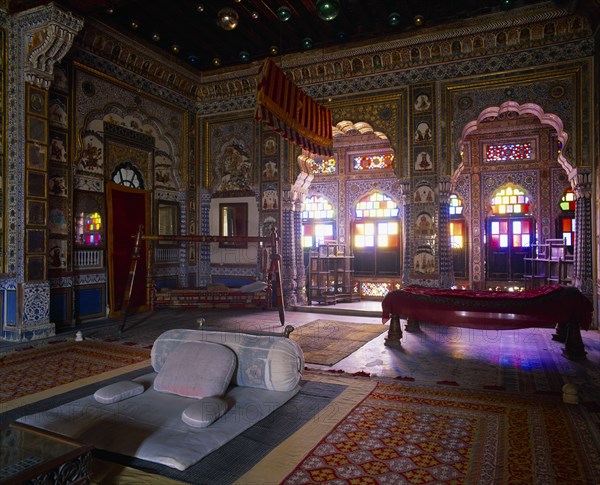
(168, 220)
(233, 221)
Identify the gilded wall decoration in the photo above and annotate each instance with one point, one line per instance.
(230, 164)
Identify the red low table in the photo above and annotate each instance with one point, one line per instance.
(565, 308)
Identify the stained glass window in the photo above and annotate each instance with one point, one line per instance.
(324, 166)
(376, 205)
(510, 200)
(457, 236)
(567, 202)
(567, 219)
(317, 207)
(500, 236)
(317, 223)
(455, 204)
(89, 229)
(368, 234)
(508, 152)
(375, 289)
(372, 162)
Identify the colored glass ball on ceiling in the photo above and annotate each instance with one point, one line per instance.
(307, 43)
(228, 18)
(328, 9)
(394, 19)
(284, 14)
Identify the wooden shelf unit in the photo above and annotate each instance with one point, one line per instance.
(330, 275)
(549, 263)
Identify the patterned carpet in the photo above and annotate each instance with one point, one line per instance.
(326, 342)
(32, 370)
(408, 434)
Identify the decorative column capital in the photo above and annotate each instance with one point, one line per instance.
(46, 35)
(405, 189)
(581, 182)
(444, 189)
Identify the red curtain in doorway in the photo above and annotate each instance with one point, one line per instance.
(128, 208)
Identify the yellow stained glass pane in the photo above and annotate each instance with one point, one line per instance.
(359, 241)
(383, 241)
(502, 209)
(518, 208)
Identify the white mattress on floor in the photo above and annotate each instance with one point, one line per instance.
(149, 426)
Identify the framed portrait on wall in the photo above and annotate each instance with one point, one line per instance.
(36, 268)
(58, 147)
(57, 254)
(37, 130)
(57, 111)
(36, 241)
(36, 101)
(36, 184)
(57, 184)
(36, 212)
(36, 155)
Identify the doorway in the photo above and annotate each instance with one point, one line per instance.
(128, 209)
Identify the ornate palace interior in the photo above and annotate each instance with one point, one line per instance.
(464, 152)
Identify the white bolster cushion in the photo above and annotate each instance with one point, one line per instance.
(254, 287)
(263, 361)
(118, 392)
(204, 412)
(197, 369)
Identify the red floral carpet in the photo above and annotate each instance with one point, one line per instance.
(24, 372)
(409, 434)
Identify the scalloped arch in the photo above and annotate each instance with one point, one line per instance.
(549, 119)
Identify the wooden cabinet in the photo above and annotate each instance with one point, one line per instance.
(330, 275)
(549, 263)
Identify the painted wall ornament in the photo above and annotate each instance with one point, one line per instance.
(234, 167)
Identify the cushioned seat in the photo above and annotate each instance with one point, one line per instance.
(155, 426)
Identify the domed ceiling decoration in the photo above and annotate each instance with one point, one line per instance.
(210, 34)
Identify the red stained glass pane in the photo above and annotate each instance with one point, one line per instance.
(504, 227)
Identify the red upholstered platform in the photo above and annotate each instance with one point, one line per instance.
(565, 308)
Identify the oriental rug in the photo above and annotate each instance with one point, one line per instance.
(405, 433)
(29, 371)
(326, 342)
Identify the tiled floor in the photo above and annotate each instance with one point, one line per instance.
(522, 360)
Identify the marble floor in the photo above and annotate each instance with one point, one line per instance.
(512, 360)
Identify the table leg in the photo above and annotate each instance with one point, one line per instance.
(394, 333)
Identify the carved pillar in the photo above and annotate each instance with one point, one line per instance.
(204, 277)
(582, 272)
(37, 39)
(299, 253)
(445, 246)
(407, 263)
(288, 247)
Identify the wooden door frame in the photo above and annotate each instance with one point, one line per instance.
(110, 248)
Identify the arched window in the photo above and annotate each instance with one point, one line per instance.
(318, 221)
(566, 219)
(376, 236)
(458, 236)
(510, 200)
(510, 233)
(128, 175)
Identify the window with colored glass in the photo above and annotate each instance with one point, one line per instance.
(317, 221)
(510, 200)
